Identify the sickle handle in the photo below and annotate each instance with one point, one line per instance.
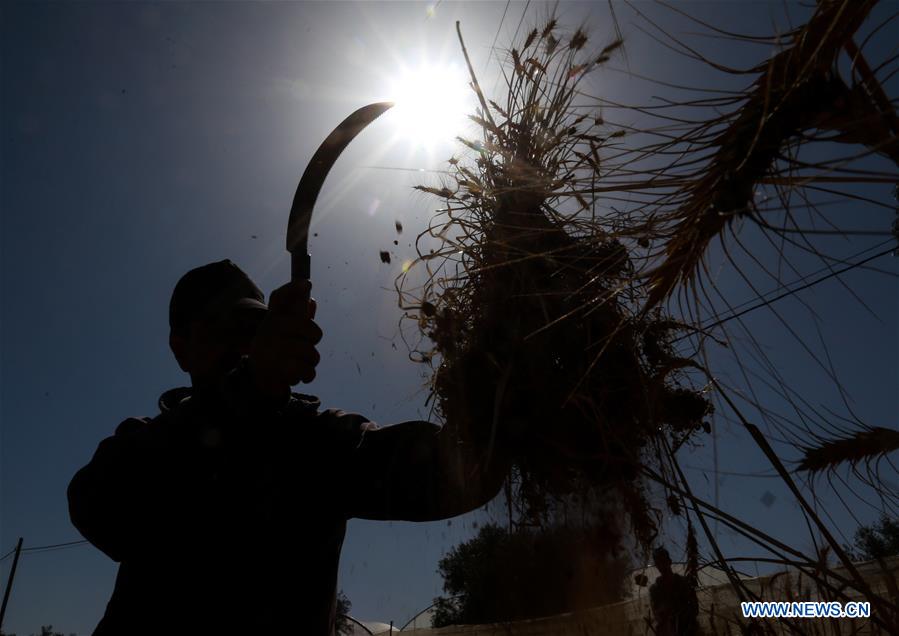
(300, 268)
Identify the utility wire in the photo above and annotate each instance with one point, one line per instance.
(727, 473)
(53, 546)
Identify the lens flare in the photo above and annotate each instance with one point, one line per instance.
(432, 104)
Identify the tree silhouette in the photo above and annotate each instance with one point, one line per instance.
(498, 576)
(344, 625)
(877, 541)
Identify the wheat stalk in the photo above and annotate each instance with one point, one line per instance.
(865, 446)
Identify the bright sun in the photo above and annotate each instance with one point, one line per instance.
(432, 104)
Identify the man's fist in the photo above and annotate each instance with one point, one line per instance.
(283, 352)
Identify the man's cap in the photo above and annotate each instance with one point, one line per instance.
(211, 290)
(660, 553)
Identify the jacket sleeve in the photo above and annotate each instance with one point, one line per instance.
(116, 500)
(416, 471)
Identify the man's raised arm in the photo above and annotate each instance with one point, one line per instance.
(417, 471)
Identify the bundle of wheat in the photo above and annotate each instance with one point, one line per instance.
(531, 304)
(544, 305)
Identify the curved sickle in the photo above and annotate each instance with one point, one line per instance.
(312, 180)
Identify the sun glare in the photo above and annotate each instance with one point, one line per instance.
(432, 104)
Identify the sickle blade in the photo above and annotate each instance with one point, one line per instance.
(312, 180)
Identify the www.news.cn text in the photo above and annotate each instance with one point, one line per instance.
(805, 609)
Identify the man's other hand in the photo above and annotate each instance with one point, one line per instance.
(283, 351)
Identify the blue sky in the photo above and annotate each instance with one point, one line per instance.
(140, 140)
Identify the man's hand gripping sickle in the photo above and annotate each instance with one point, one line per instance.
(283, 351)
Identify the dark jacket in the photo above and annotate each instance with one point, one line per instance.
(227, 517)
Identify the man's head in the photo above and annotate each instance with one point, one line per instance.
(662, 560)
(213, 316)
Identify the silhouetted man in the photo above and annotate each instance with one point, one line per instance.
(673, 600)
(227, 510)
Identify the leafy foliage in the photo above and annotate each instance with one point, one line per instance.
(498, 576)
(877, 541)
(344, 624)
